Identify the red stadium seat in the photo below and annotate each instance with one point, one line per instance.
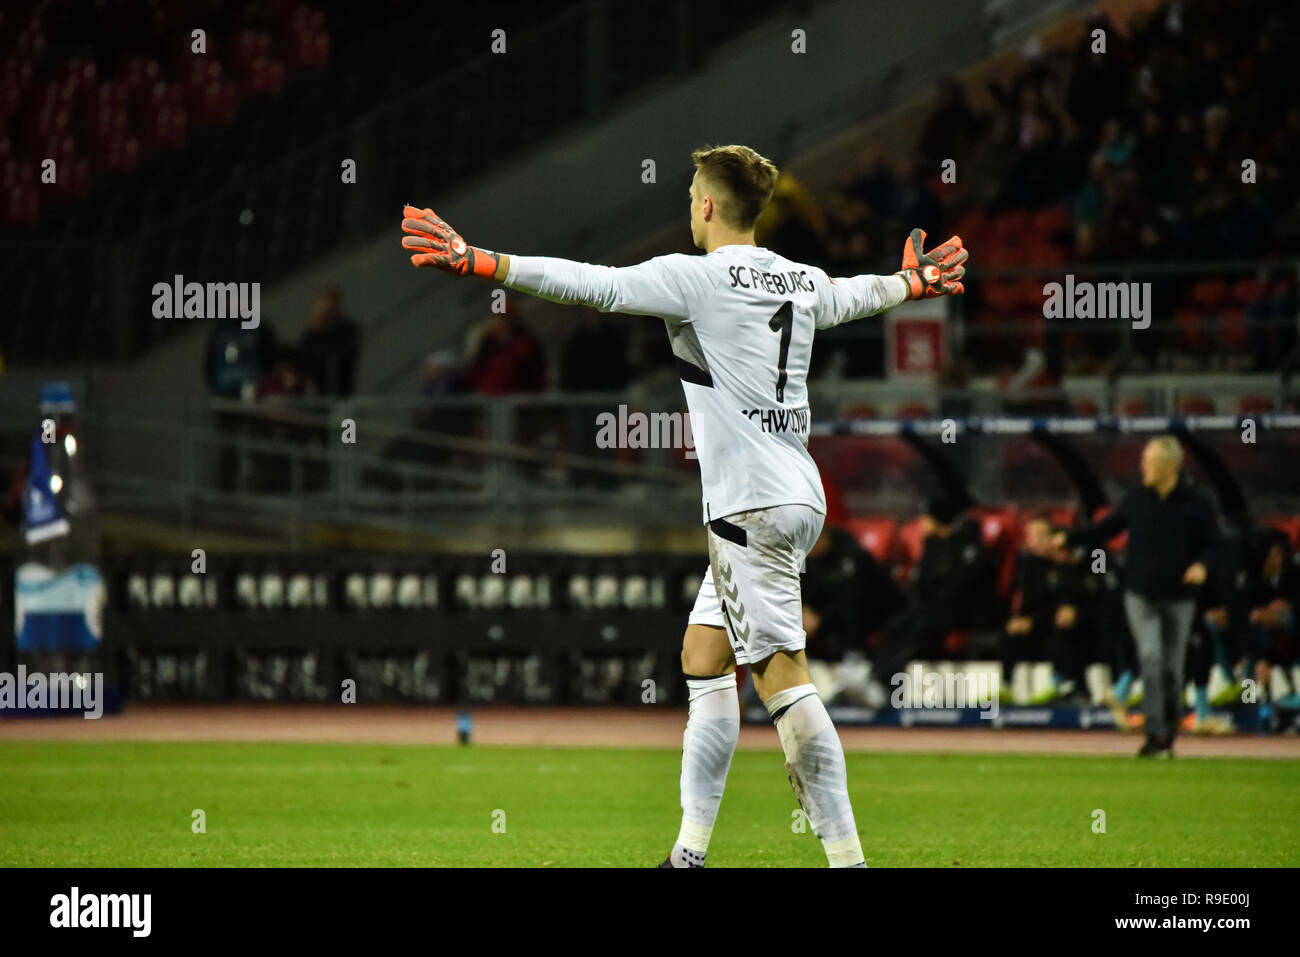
(1048, 230)
(860, 410)
(1191, 327)
(909, 543)
(74, 170)
(1134, 405)
(109, 128)
(1033, 329)
(1000, 532)
(138, 75)
(1000, 295)
(1254, 404)
(912, 410)
(14, 172)
(1013, 226)
(1048, 254)
(971, 225)
(1028, 296)
(1231, 331)
(122, 152)
(837, 512)
(218, 102)
(309, 42)
(1120, 541)
(1246, 291)
(22, 204)
(1084, 407)
(1195, 405)
(996, 251)
(1062, 516)
(111, 97)
(1210, 294)
(166, 96)
(875, 534)
(1048, 222)
(1290, 524)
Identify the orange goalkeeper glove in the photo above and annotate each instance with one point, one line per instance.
(436, 244)
(936, 273)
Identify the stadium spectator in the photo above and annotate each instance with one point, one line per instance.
(953, 589)
(1172, 533)
(951, 127)
(443, 375)
(595, 356)
(1144, 145)
(507, 357)
(330, 348)
(1273, 602)
(1051, 613)
(272, 471)
(846, 233)
(284, 379)
(1222, 640)
(793, 223)
(1114, 640)
(847, 595)
(235, 361)
(1270, 320)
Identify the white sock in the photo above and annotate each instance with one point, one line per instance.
(712, 727)
(814, 760)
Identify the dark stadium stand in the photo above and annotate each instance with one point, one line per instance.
(160, 150)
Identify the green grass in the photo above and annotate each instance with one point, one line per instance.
(126, 804)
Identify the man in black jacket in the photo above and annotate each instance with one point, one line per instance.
(954, 589)
(1172, 532)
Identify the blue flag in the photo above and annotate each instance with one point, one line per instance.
(44, 513)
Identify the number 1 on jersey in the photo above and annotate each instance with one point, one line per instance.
(784, 321)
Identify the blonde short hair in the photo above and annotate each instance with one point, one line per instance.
(743, 177)
(1169, 448)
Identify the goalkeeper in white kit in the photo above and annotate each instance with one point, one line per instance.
(741, 321)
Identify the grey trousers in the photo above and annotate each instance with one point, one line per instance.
(1161, 630)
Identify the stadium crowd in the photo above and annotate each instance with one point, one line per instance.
(1136, 155)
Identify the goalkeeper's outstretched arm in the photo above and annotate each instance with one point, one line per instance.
(645, 289)
(925, 275)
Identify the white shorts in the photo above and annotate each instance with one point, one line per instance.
(751, 589)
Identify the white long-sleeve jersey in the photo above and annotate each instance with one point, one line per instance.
(741, 320)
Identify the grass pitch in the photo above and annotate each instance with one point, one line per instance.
(74, 804)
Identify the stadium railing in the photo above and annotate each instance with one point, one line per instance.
(416, 467)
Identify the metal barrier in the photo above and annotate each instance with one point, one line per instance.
(287, 469)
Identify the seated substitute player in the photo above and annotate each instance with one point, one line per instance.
(741, 321)
(1274, 595)
(1051, 619)
(953, 588)
(847, 595)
